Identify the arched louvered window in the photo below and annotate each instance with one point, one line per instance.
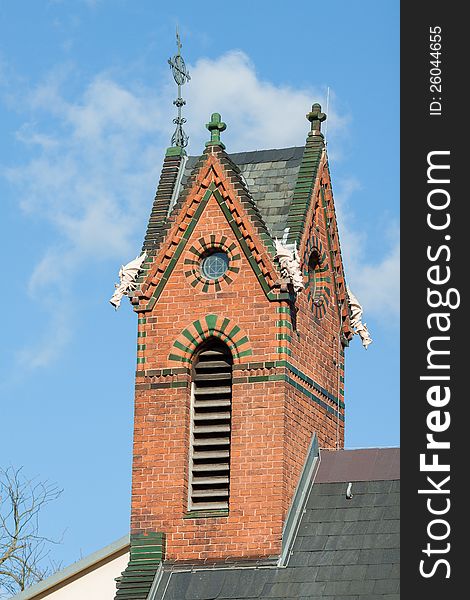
(211, 403)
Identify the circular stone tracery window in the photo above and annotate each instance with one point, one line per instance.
(212, 263)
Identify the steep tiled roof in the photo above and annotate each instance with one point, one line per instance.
(343, 549)
(277, 183)
(270, 177)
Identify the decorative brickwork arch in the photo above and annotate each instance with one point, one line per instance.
(208, 327)
(318, 291)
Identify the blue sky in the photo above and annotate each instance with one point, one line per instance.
(86, 114)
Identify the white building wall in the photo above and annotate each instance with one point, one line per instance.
(96, 585)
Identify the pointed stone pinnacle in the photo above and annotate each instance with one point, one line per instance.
(316, 117)
(216, 126)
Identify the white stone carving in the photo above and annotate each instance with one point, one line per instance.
(127, 279)
(290, 265)
(358, 326)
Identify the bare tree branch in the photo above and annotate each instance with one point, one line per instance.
(24, 551)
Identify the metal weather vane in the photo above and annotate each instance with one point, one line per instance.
(181, 76)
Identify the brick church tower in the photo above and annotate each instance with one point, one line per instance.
(237, 366)
(243, 317)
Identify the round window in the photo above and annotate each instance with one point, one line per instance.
(214, 265)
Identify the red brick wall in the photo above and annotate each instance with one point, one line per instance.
(316, 352)
(272, 422)
(316, 347)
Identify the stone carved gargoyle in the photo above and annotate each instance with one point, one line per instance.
(358, 326)
(127, 279)
(290, 265)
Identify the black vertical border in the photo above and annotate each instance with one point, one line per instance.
(422, 133)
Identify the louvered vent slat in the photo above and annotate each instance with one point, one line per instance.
(211, 391)
(210, 480)
(210, 468)
(208, 377)
(211, 505)
(210, 429)
(218, 441)
(213, 365)
(212, 403)
(210, 416)
(211, 454)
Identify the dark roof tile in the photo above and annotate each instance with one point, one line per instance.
(344, 549)
(361, 588)
(205, 585)
(378, 556)
(385, 526)
(244, 584)
(379, 571)
(334, 557)
(291, 589)
(386, 586)
(270, 176)
(313, 542)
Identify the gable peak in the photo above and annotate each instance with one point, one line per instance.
(316, 118)
(216, 126)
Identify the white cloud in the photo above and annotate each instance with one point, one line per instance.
(258, 113)
(27, 135)
(44, 351)
(93, 177)
(374, 277)
(94, 161)
(379, 284)
(93, 164)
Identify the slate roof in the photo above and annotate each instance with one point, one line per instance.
(344, 549)
(270, 177)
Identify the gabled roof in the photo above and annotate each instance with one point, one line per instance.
(270, 176)
(343, 548)
(278, 182)
(279, 190)
(215, 175)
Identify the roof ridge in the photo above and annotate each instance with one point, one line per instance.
(247, 198)
(172, 164)
(281, 152)
(168, 218)
(306, 178)
(242, 190)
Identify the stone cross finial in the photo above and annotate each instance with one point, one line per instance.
(215, 126)
(316, 117)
